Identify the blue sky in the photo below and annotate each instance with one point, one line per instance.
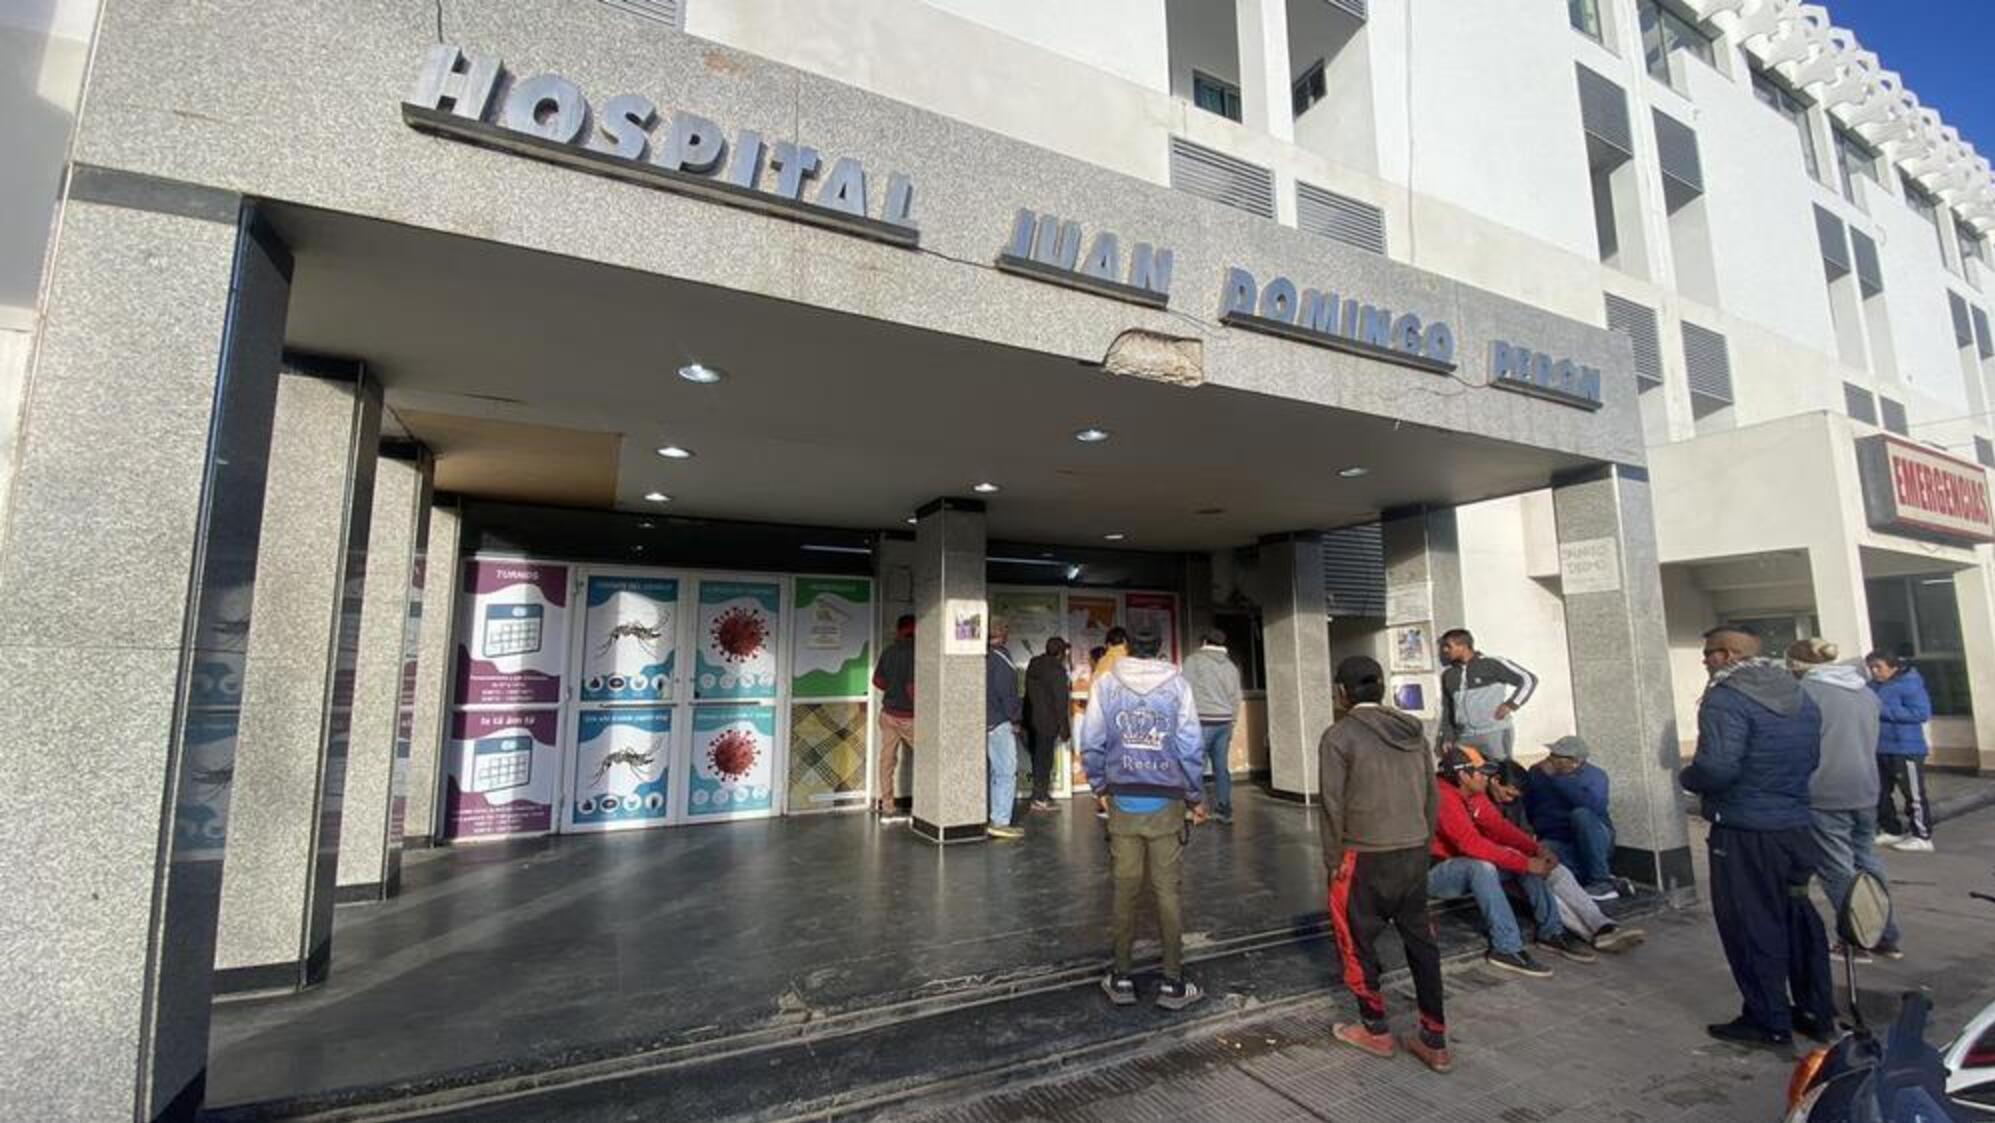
(1942, 48)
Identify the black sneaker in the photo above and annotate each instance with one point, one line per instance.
(1119, 989)
(1570, 946)
(1225, 817)
(1888, 951)
(1856, 954)
(1812, 1027)
(1603, 891)
(1742, 1032)
(1176, 994)
(1518, 961)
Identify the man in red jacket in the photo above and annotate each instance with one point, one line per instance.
(1475, 849)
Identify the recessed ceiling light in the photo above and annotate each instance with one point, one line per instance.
(1354, 472)
(647, 525)
(1210, 511)
(674, 452)
(1117, 536)
(911, 520)
(1091, 436)
(985, 488)
(656, 497)
(701, 373)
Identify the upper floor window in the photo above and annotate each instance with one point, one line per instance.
(1926, 207)
(1972, 246)
(1853, 158)
(1309, 89)
(1791, 106)
(1665, 32)
(1585, 17)
(1215, 96)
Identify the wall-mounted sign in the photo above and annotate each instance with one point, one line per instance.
(548, 118)
(1913, 490)
(1590, 565)
(1328, 319)
(1043, 247)
(1533, 372)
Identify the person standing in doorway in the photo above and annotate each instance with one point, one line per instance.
(1140, 749)
(1905, 708)
(1379, 806)
(1479, 693)
(1843, 791)
(1003, 711)
(1215, 686)
(893, 677)
(1048, 716)
(1759, 739)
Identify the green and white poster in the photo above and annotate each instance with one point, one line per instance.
(832, 647)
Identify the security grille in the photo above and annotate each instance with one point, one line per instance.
(1354, 571)
(1894, 417)
(1860, 403)
(1339, 218)
(1708, 362)
(1984, 452)
(1983, 345)
(1603, 112)
(1870, 278)
(1638, 323)
(1835, 244)
(1355, 7)
(669, 12)
(1676, 150)
(1963, 325)
(1213, 175)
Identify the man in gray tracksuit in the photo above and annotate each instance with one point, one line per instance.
(1478, 694)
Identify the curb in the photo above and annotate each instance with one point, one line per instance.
(1964, 804)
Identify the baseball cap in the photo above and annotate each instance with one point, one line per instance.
(1570, 746)
(1462, 759)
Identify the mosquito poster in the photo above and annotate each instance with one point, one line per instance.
(623, 764)
(628, 639)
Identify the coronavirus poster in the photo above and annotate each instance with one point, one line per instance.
(831, 651)
(503, 772)
(734, 749)
(737, 639)
(514, 641)
(629, 639)
(623, 765)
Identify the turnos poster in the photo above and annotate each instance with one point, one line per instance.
(832, 650)
(734, 750)
(623, 762)
(737, 639)
(1032, 617)
(1156, 613)
(503, 766)
(515, 634)
(629, 631)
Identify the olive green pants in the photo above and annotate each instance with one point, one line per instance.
(1148, 848)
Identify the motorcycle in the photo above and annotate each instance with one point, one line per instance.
(1859, 1078)
(1970, 1060)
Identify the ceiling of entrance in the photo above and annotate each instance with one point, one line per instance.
(511, 363)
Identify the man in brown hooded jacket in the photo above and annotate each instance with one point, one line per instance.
(1379, 811)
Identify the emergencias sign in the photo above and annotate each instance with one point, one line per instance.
(547, 117)
(1910, 489)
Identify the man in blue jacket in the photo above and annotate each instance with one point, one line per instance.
(1566, 800)
(1759, 739)
(1140, 746)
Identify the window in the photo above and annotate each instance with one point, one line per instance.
(1919, 617)
(1585, 17)
(1308, 89)
(1859, 404)
(1215, 96)
(1972, 247)
(1792, 107)
(1926, 207)
(1853, 158)
(1894, 417)
(1664, 32)
(1984, 452)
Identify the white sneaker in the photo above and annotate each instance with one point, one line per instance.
(1913, 845)
(1888, 839)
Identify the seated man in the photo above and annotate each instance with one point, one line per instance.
(1566, 800)
(1474, 850)
(1578, 913)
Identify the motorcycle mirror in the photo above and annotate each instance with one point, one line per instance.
(1865, 910)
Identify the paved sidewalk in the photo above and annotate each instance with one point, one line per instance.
(1619, 1041)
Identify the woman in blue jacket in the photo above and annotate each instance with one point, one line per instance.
(1901, 752)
